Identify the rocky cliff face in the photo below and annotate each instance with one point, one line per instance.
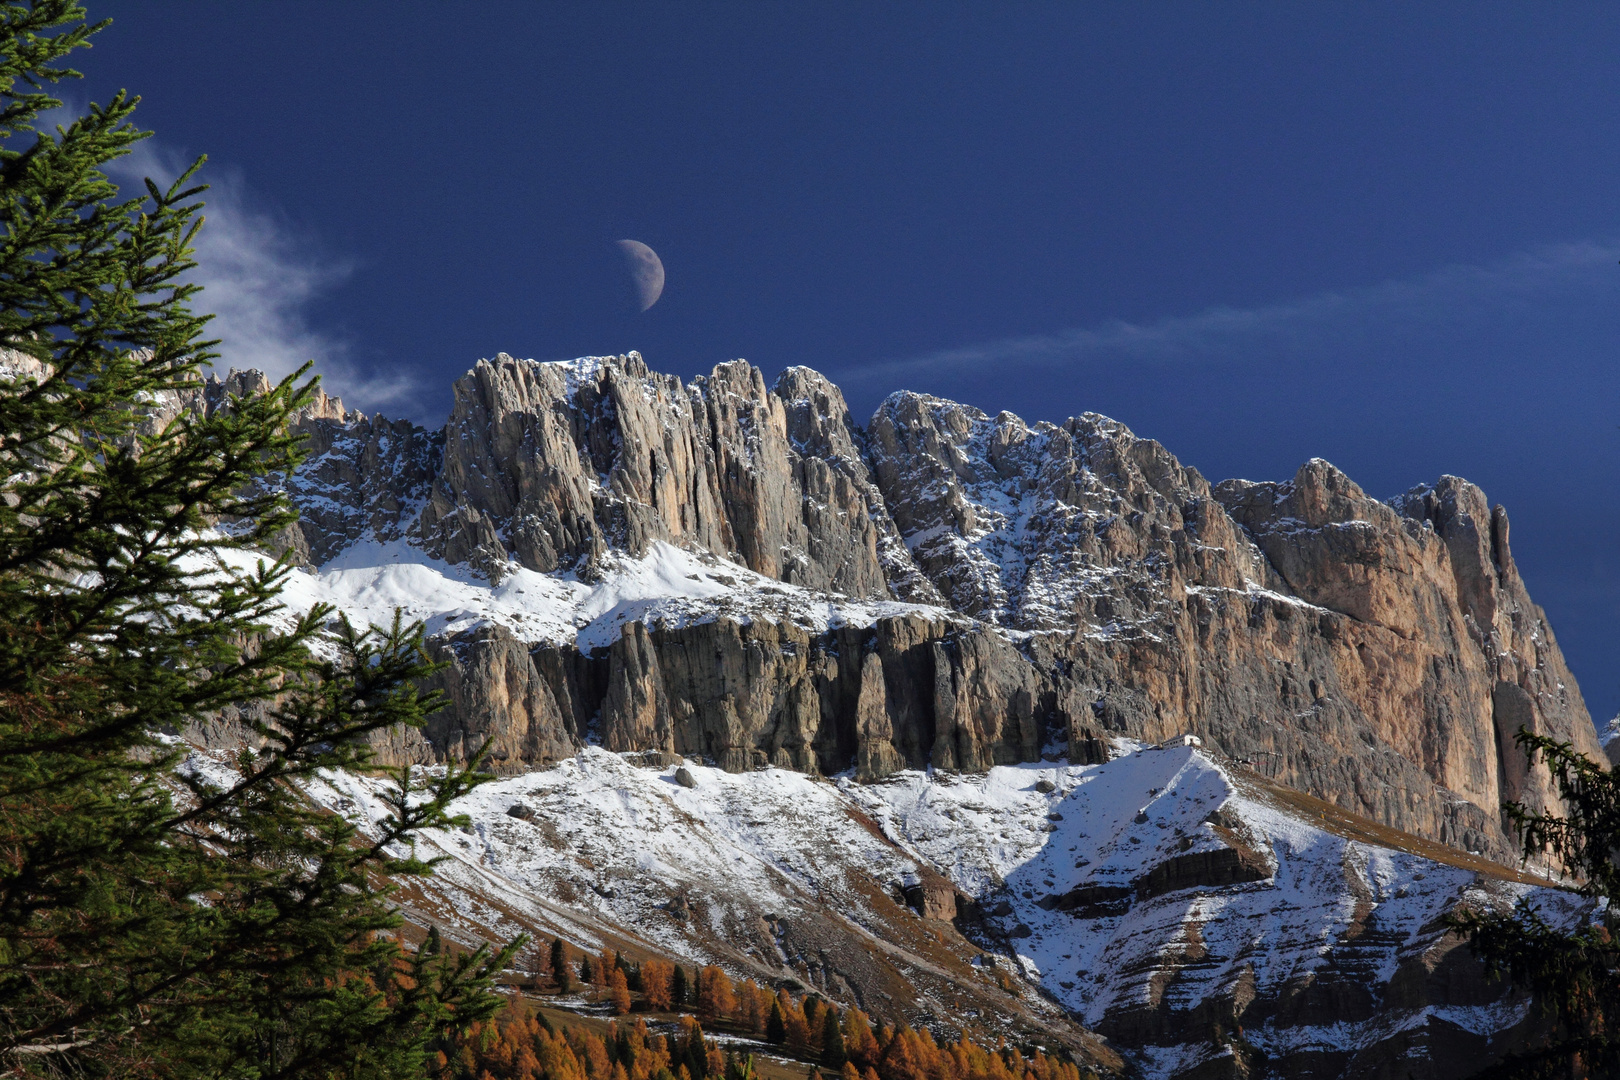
(1071, 583)
(554, 466)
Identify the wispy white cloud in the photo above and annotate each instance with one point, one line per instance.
(1435, 299)
(260, 277)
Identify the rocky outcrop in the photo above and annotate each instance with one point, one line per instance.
(555, 465)
(1330, 640)
(363, 477)
(1531, 685)
(832, 460)
(1453, 657)
(932, 895)
(1050, 528)
(1232, 865)
(499, 697)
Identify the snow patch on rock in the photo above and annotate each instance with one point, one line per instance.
(669, 586)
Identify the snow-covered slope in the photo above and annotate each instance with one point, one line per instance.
(667, 587)
(1156, 898)
(1114, 911)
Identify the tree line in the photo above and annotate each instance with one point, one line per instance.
(525, 1045)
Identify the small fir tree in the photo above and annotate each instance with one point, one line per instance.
(696, 1053)
(832, 1040)
(559, 966)
(1574, 974)
(678, 995)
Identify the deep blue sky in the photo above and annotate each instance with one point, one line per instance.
(1382, 234)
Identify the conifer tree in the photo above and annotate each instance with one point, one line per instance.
(696, 1051)
(776, 1024)
(656, 977)
(559, 966)
(158, 918)
(832, 1040)
(715, 997)
(810, 1008)
(678, 994)
(1574, 974)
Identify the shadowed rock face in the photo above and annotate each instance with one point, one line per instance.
(1379, 655)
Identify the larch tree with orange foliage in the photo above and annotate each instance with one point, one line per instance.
(715, 997)
(859, 1042)
(751, 1012)
(795, 1030)
(618, 992)
(656, 979)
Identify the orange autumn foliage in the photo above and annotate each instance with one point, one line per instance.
(715, 998)
(518, 1046)
(618, 992)
(753, 1006)
(657, 980)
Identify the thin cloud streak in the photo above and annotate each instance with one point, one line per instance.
(259, 279)
(1445, 296)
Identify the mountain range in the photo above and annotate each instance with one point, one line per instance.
(969, 721)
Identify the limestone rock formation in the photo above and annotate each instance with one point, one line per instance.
(498, 695)
(1087, 586)
(1079, 527)
(364, 477)
(554, 465)
(1532, 687)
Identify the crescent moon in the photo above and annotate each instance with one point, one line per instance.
(646, 270)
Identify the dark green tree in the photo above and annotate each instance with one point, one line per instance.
(163, 914)
(776, 1024)
(559, 966)
(696, 1053)
(1574, 974)
(678, 990)
(833, 1055)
